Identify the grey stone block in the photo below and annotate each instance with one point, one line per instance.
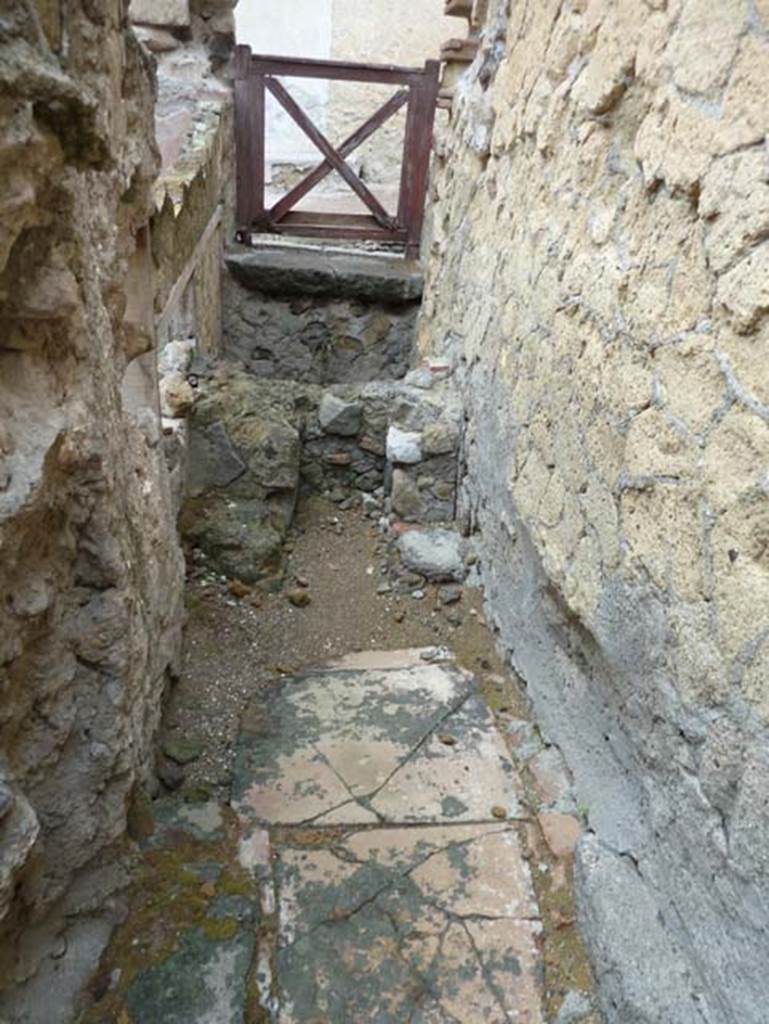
(339, 416)
(436, 554)
(306, 273)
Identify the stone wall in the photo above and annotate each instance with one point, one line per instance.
(598, 279)
(191, 41)
(90, 568)
(300, 314)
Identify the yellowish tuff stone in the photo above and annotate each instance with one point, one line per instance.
(657, 448)
(691, 381)
(735, 458)
(744, 359)
(744, 290)
(705, 42)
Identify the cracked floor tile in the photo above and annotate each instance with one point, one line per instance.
(391, 925)
(410, 743)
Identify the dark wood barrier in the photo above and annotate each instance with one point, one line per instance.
(418, 91)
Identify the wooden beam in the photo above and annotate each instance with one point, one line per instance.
(249, 139)
(334, 70)
(318, 139)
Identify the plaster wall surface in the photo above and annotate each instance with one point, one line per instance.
(597, 277)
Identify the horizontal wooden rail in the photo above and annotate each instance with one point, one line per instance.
(335, 70)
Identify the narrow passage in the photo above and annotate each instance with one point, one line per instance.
(350, 831)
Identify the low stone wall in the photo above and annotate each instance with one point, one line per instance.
(255, 445)
(305, 315)
(598, 280)
(194, 193)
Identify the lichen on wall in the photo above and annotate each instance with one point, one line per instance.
(598, 275)
(90, 568)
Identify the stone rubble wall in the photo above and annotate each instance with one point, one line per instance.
(90, 568)
(598, 279)
(255, 445)
(318, 340)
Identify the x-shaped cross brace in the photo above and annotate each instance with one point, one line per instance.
(334, 160)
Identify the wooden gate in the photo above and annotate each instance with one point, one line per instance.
(418, 91)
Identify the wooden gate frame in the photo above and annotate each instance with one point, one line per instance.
(255, 75)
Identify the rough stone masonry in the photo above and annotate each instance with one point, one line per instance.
(90, 568)
(598, 277)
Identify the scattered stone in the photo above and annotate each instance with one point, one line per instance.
(499, 812)
(302, 581)
(403, 446)
(410, 580)
(418, 595)
(238, 589)
(170, 773)
(299, 598)
(384, 588)
(447, 739)
(338, 416)
(400, 615)
(182, 749)
(449, 594)
(337, 495)
(176, 396)
(435, 553)
(561, 832)
(453, 617)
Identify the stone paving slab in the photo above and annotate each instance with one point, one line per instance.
(421, 924)
(414, 742)
(378, 813)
